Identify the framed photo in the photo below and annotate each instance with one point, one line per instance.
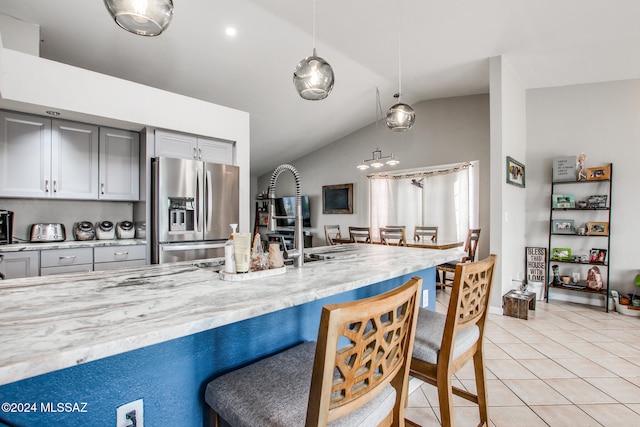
(563, 226)
(515, 172)
(566, 201)
(337, 199)
(597, 256)
(599, 173)
(561, 254)
(598, 228)
(597, 201)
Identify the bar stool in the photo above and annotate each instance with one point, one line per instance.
(445, 343)
(392, 236)
(356, 375)
(360, 234)
(332, 232)
(470, 247)
(421, 233)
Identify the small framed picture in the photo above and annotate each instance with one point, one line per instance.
(515, 172)
(598, 228)
(597, 256)
(561, 254)
(563, 226)
(597, 201)
(563, 201)
(337, 199)
(599, 173)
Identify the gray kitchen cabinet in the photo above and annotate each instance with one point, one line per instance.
(117, 257)
(57, 261)
(14, 265)
(190, 147)
(74, 160)
(119, 167)
(25, 155)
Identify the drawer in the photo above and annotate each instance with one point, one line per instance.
(119, 253)
(64, 257)
(78, 268)
(103, 266)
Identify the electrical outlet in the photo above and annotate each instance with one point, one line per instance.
(425, 297)
(130, 414)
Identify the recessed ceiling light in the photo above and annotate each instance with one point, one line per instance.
(230, 31)
(53, 113)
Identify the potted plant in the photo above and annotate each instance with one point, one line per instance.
(635, 302)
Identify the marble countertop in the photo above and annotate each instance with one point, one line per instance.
(69, 244)
(53, 322)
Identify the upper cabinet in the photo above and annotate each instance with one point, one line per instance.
(119, 167)
(181, 146)
(44, 158)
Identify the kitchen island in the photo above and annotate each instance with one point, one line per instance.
(160, 333)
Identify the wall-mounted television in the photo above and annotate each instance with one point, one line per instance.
(286, 206)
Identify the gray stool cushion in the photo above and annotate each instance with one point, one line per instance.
(429, 332)
(275, 392)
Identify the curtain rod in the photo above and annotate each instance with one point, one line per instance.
(421, 174)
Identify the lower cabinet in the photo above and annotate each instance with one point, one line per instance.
(14, 265)
(58, 261)
(117, 257)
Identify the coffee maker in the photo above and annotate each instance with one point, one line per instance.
(6, 227)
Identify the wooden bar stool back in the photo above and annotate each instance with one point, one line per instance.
(424, 233)
(360, 234)
(445, 343)
(470, 246)
(394, 236)
(332, 232)
(355, 375)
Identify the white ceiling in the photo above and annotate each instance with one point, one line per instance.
(445, 46)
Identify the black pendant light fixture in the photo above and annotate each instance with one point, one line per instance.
(141, 17)
(313, 77)
(400, 117)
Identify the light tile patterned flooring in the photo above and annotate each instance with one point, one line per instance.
(567, 365)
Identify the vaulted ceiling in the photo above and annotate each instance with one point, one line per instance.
(444, 45)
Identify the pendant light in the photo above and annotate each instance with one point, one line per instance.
(376, 156)
(400, 117)
(141, 17)
(313, 76)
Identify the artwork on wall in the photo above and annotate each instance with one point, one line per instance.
(337, 199)
(515, 172)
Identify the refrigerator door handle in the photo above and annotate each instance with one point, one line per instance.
(187, 247)
(208, 200)
(198, 203)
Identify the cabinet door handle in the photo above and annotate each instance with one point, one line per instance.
(46, 185)
(195, 153)
(55, 186)
(102, 188)
(200, 153)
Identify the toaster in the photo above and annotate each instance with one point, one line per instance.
(47, 233)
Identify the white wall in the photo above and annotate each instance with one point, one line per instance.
(603, 121)
(20, 35)
(508, 138)
(446, 131)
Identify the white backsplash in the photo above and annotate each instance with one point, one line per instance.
(67, 212)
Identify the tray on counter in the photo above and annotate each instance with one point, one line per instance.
(239, 277)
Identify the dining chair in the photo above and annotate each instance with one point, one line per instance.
(394, 236)
(355, 375)
(444, 343)
(470, 246)
(332, 232)
(421, 233)
(360, 234)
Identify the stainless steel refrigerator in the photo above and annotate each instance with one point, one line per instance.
(193, 203)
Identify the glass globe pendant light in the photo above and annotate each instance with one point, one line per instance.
(313, 77)
(400, 117)
(142, 17)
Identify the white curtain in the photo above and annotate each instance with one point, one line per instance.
(445, 199)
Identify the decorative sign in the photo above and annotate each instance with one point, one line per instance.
(564, 169)
(536, 264)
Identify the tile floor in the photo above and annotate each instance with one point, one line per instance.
(568, 365)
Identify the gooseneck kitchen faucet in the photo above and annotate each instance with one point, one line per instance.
(296, 254)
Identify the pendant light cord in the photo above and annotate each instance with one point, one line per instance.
(313, 26)
(399, 51)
